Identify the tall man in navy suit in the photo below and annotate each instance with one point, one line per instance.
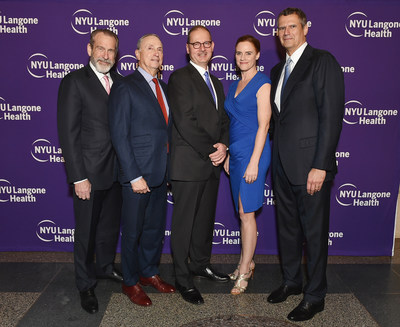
(307, 98)
(91, 165)
(199, 138)
(139, 123)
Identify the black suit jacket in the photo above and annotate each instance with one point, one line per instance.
(83, 130)
(197, 125)
(307, 128)
(138, 130)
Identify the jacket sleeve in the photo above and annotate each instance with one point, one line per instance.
(328, 84)
(120, 116)
(69, 115)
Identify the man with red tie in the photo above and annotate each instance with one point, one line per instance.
(139, 125)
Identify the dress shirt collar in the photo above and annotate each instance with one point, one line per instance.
(297, 54)
(200, 69)
(146, 75)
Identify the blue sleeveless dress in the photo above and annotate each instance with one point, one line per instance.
(242, 112)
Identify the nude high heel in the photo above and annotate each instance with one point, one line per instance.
(234, 275)
(237, 288)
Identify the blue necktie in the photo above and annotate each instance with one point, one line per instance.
(286, 76)
(208, 82)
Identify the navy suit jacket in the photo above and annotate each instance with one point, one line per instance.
(138, 130)
(82, 120)
(308, 126)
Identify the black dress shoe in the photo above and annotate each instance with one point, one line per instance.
(114, 275)
(306, 310)
(282, 293)
(191, 295)
(212, 274)
(89, 301)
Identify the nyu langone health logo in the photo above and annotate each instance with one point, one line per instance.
(85, 22)
(10, 111)
(16, 25)
(359, 25)
(225, 236)
(39, 66)
(349, 195)
(11, 193)
(341, 155)
(48, 231)
(266, 23)
(356, 113)
(175, 23)
(269, 197)
(127, 64)
(42, 151)
(225, 70)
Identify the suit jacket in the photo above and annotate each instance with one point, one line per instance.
(83, 131)
(307, 128)
(197, 125)
(138, 130)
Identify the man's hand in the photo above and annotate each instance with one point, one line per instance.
(140, 186)
(82, 189)
(315, 180)
(218, 156)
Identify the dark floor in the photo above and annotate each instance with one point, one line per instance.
(37, 289)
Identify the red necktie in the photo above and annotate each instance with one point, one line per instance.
(160, 99)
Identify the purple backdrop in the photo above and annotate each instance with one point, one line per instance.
(42, 41)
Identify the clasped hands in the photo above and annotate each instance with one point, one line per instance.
(218, 156)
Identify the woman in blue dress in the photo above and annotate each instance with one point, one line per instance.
(249, 109)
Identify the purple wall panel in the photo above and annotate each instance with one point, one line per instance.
(40, 39)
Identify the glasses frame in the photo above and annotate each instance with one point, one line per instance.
(197, 45)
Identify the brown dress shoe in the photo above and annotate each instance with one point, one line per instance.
(157, 283)
(136, 295)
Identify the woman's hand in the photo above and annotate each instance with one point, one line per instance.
(250, 175)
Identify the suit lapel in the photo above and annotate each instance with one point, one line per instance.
(199, 80)
(297, 73)
(275, 81)
(144, 85)
(95, 83)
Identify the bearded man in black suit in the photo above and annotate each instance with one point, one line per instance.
(90, 160)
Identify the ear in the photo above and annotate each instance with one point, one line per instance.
(257, 56)
(212, 46)
(305, 30)
(187, 48)
(89, 50)
(137, 54)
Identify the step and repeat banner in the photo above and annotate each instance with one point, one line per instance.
(42, 41)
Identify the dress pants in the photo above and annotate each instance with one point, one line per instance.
(97, 226)
(143, 230)
(303, 218)
(192, 227)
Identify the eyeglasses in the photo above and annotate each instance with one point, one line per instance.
(197, 45)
